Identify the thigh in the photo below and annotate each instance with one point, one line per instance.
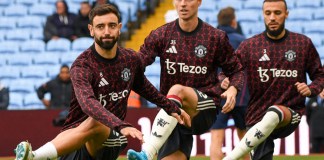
(285, 131)
(238, 114)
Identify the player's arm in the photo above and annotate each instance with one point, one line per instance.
(81, 77)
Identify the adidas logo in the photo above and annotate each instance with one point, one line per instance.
(265, 57)
(172, 50)
(103, 82)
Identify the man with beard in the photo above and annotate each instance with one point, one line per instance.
(102, 78)
(276, 63)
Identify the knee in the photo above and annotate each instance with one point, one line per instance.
(91, 126)
(177, 89)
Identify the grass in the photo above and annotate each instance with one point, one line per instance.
(310, 157)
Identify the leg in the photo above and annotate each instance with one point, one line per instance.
(217, 136)
(275, 118)
(69, 140)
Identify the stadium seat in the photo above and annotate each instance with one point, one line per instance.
(248, 15)
(37, 33)
(258, 27)
(81, 44)
(42, 9)
(3, 61)
(291, 4)
(6, 3)
(30, 22)
(236, 4)
(128, 7)
(58, 45)
(316, 39)
(47, 59)
(53, 71)
(208, 5)
(7, 23)
(31, 101)
(20, 60)
(314, 26)
(33, 72)
(155, 80)
(17, 35)
(308, 4)
(253, 4)
(10, 72)
(153, 69)
(295, 26)
(15, 11)
(27, 3)
(9, 47)
(320, 51)
(32, 46)
(16, 101)
(300, 14)
(51, 2)
(22, 86)
(318, 13)
(69, 58)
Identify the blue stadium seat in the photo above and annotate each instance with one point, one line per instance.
(295, 26)
(10, 72)
(53, 71)
(30, 22)
(250, 15)
(130, 8)
(236, 4)
(3, 61)
(47, 59)
(18, 35)
(58, 45)
(20, 60)
(22, 86)
(51, 2)
(308, 4)
(291, 4)
(31, 101)
(16, 11)
(320, 51)
(69, 58)
(37, 33)
(16, 101)
(208, 5)
(300, 14)
(42, 10)
(155, 80)
(9, 47)
(32, 46)
(6, 3)
(316, 39)
(318, 13)
(33, 72)
(81, 44)
(7, 23)
(314, 26)
(253, 4)
(258, 27)
(27, 3)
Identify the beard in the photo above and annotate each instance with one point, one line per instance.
(276, 32)
(106, 44)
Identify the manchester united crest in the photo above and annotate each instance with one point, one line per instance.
(200, 51)
(290, 55)
(125, 74)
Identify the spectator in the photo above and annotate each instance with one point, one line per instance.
(227, 22)
(61, 23)
(59, 88)
(82, 21)
(4, 97)
(315, 116)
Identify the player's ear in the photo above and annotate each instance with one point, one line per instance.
(90, 27)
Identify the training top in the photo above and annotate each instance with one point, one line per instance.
(101, 88)
(192, 58)
(273, 67)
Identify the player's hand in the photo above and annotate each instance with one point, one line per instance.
(230, 95)
(183, 119)
(303, 89)
(133, 132)
(225, 83)
(322, 94)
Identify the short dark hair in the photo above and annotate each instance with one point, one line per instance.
(226, 16)
(64, 66)
(276, 1)
(102, 10)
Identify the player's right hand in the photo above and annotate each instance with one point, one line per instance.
(183, 119)
(133, 132)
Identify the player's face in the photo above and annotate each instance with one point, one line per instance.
(105, 30)
(275, 14)
(187, 9)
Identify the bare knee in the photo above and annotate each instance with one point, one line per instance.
(178, 90)
(92, 127)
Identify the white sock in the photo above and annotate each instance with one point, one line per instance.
(254, 136)
(47, 151)
(162, 127)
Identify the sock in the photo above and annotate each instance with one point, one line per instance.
(47, 151)
(162, 127)
(254, 136)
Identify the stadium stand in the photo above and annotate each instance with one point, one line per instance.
(23, 50)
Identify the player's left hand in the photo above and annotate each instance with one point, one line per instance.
(230, 95)
(133, 132)
(303, 89)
